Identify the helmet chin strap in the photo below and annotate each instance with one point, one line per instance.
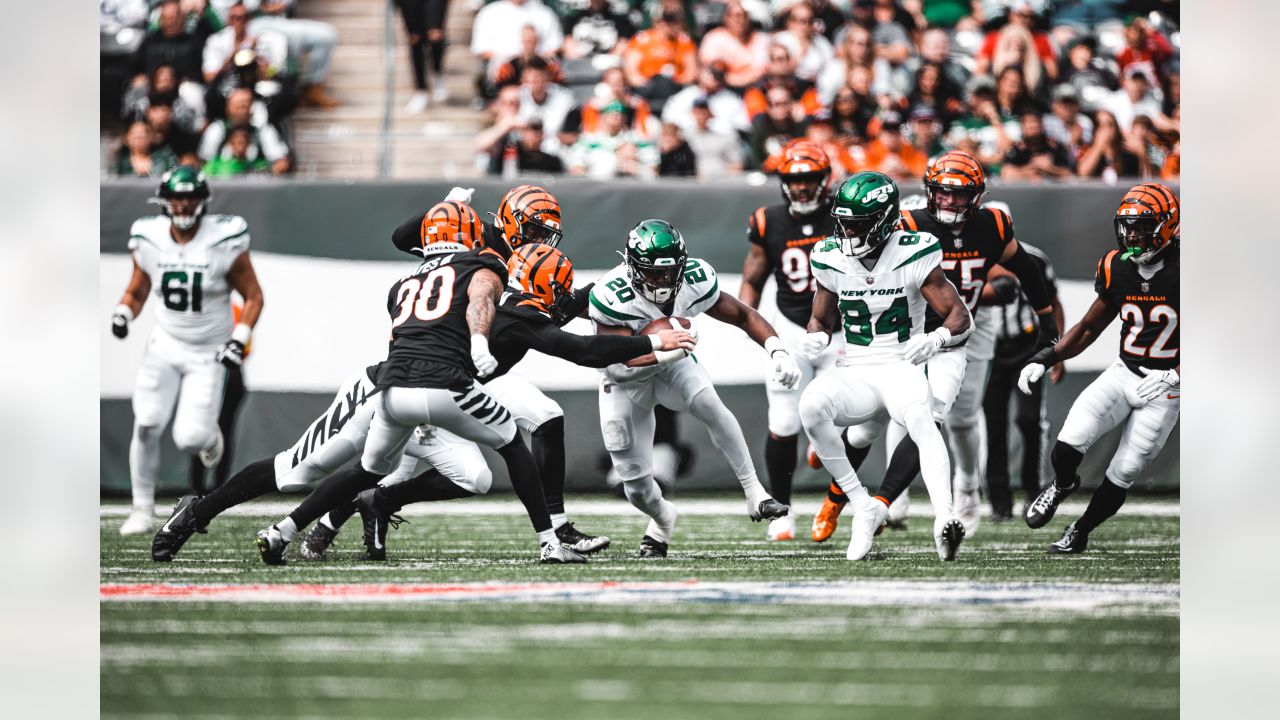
(807, 208)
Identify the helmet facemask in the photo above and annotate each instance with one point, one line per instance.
(534, 230)
(1139, 237)
(952, 205)
(659, 283)
(803, 191)
(859, 235)
(183, 222)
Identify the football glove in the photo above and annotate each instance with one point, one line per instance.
(484, 360)
(460, 194)
(1048, 331)
(1156, 383)
(1030, 374)
(814, 343)
(785, 370)
(231, 354)
(1004, 288)
(922, 347)
(120, 321)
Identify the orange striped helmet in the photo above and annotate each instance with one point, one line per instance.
(529, 214)
(545, 277)
(805, 172)
(451, 222)
(1147, 221)
(954, 184)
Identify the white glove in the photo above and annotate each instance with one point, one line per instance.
(813, 344)
(484, 360)
(922, 347)
(1156, 383)
(785, 370)
(460, 194)
(1030, 374)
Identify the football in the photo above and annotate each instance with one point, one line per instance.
(666, 323)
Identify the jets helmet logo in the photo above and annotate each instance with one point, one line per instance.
(880, 194)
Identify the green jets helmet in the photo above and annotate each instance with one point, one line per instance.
(655, 260)
(866, 212)
(184, 181)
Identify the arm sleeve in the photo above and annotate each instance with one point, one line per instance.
(576, 304)
(408, 236)
(1030, 277)
(595, 351)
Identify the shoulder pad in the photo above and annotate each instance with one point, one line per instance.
(228, 227)
(1003, 222)
(908, 222)
(145, 229)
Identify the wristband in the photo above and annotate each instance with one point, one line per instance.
(240, 333)
(126, 311)
(667, 357)
(945, 335)
(1047, 357)
(655, 341)
(772, 345)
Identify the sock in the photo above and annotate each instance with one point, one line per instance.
(288, 529)
(339, 515)
(836, 495)
(418, 56)
(902, 470)
(255, 480)
(547, 446)
(780, 462)
(524, 479)
(856, 456)
(338, 489)
(1066, 460)
(548, 537)
(558, 520)
(1106, 500)
(437, 59)
(429, 486)
(933, 464)
(330, 523)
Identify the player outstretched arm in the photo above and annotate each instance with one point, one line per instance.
(135, 296)
(243, 280)
(598, 351)
(1019, 262)
(731, 311)
(1073, 342)
(755, 270)
(482, 295)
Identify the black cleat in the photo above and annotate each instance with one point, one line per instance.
(948, 538)
(317, 542)
(271, 546)
(1041, 510)
(376, 516)
(176, 531)
(650, 548)
(579, 541)
(1072, 542)
(768, 509)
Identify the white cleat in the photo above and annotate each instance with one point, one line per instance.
(557, 554)
(968, 508)
(212, 455)
(141, 520)
(783, 528)
(948, 533)
(868, 515)
(898, 512)
(418, 102)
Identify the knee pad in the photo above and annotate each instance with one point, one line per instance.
(862, 436)
(632, 469)
(784, 415)
(815, 408)
(707, 405)
(617, 435)
(190, 439)
(1123, 473)
(147, 433)
(917, 418)
(478, 480)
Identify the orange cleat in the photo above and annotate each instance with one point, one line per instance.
(824, 523)
(815, 462)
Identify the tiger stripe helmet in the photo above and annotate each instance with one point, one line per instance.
(1147, 221)
(954, 184)
(544, 276)
(529, 214)
(451, 223)
(805, 172)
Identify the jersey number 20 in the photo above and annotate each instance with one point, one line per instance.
(426, 299)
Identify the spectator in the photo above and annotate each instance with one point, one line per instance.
(277, 96)
(662, 59)
(850, 113)
(173, 45)
(509, 72)
(139, 157)
(266, 141)
(676, 158)
(1089, 74)
(159, 119)
(718, 152)
(827, 18)
(935, 47)
(892, 41)
(163, 81)
(781, 74)
(890, 154)
(222, 46)
(495, 34)
(856, 50)
(506, 120)
(240, 155)
(822, 133)
(524, 148)
(729, 114)
(543, 100)
(424, 23)
(1172, 92)
(1066, 125)
(614, 151)
(925, 131)
(1021, 25)
(781, 121)
(1146, 47)
(1107, 157)
(314, 41)
(613, 87)
(1036, 156)
(1014, 49)
(114, 15)
(1013, 98)
(1150, 146)
(810, 50)
(932, 90)
(946, 13)
(595, 30)
(984, 132)
(739, 46)
(1134, 98)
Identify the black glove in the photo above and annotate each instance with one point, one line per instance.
(1048, 331)
(1004, 288)
(120, 325)
(231, 354)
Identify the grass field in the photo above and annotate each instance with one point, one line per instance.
(460, 622)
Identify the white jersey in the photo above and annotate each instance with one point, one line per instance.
(882, 307)
(615, 302)
(193, 298)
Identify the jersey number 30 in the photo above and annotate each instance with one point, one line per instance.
(426, 299)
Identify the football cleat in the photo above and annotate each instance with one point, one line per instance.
(212, 455)
(968, 507)
(868, 515)
(376, 516)
(141, 520)
(317, 542)
(1041, 510)
(824, 523)
(898, 510)
(948, 533)
(783, 528)
(579, 541)
(650, 548)
(766, 509)
(559, 554)
(176, 531)
(271, 545)
(811, 456)
(1072, 542)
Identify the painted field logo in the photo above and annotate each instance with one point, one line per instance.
(880, 194)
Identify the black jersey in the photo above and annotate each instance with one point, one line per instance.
(520, 326)
(787, 241)
(1148, 309)
(430, 340)
(967, 257)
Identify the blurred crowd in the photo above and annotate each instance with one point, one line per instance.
(212, 82)
(1038, 90)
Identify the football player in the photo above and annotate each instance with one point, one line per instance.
(191, 262)
(874, 282)
(781, 237)
(658, 279)
(1142, 389)
(528, 317)
(441, 314)
(972, 239)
